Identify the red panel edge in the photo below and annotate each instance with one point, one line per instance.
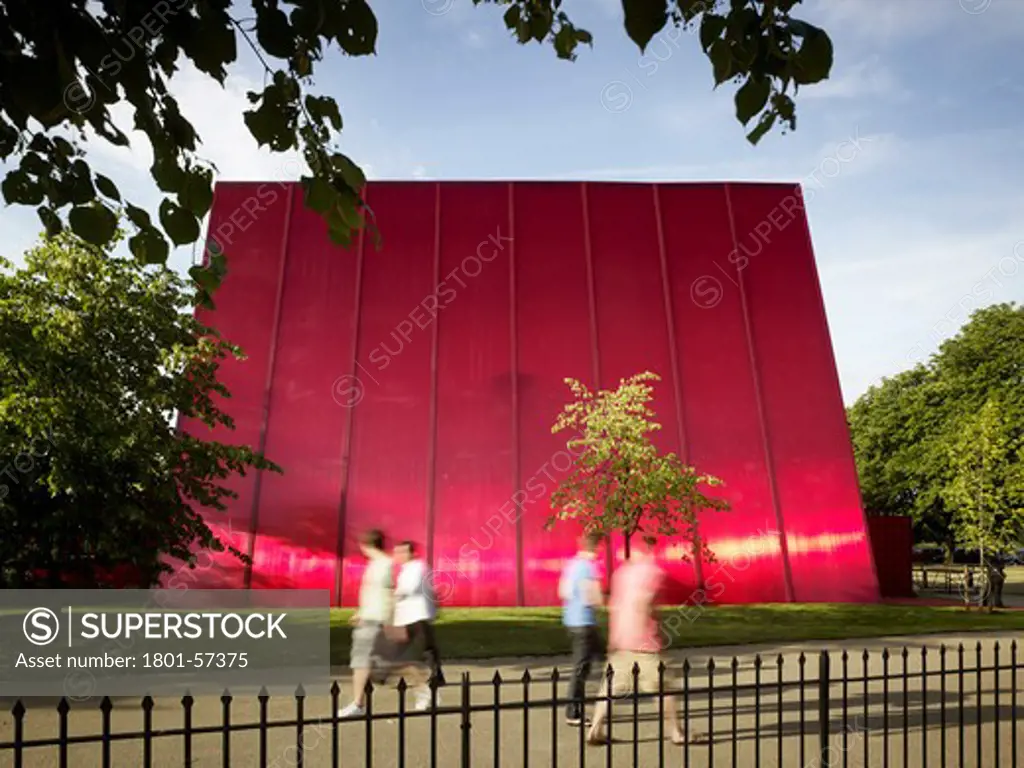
(755, 372)
(432, 417)
(254, 515)
(346, 451)
(514, 378)
(805, 225)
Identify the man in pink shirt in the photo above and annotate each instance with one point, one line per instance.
(633, 637)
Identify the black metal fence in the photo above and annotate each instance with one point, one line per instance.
(914, 707)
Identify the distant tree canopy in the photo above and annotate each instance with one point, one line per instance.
(944, 442)
(64, 63)
(97, 356)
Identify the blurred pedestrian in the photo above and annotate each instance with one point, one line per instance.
(580, 592)
(634, 639)
(415, 611)
(369, 644)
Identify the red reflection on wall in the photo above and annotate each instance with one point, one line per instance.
(413, 387)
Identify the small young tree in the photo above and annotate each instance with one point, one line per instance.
(619, 480)
(97, 356)
(987, 487)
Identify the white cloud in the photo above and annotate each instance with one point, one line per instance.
(867, 79)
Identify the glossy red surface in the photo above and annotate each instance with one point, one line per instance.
(413, 388)
(892, 542)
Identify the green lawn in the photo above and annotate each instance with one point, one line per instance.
(479, 633)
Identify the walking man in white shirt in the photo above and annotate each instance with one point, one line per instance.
(374, 613)
(415, 610)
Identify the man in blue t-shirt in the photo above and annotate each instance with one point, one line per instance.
(580, 592)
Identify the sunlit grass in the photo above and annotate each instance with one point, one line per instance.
(475, 633)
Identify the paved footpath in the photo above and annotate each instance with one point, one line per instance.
(876, 719)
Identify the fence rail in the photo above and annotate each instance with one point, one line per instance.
(746, 709)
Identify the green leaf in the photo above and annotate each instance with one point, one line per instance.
(711, 28)
(204, 276)
(350, 172)
(94, 223)
(320, 195)
(324, 107)
(34, 164)
(356, 32)
(107, 187)
(137, 216)
(181, 225)
(721, 61)
(540, 25)
(167, 173)
(764, 125)
(752, 97)
(51, 221)
(274, 33)
(197, 196)
(149, 246)
(644, 19)
(813, 61)
(18, 187)
(81, 188)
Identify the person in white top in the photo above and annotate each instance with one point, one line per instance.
(369, 649)
(416, 609)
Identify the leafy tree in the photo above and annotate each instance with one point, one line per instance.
(987, 487)
(619, 481)
(903, 428)
(66, 62)
(894, 427)
(97, 355)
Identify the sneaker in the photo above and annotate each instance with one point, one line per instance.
(352, 710)
(576, 721)
(423, 699)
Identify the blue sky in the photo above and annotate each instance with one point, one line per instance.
(915, 223)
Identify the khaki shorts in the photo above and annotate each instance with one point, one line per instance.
(622, 672)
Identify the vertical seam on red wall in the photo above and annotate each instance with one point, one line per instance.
(432, 406)
(595, 357)
(346, 450)
(254, 515)
(673, 352)
(838, 388)
(755, 373)
(514, 378)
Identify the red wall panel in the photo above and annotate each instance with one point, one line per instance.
(724, 434)
(632, 324)
(413, 388)
(553, 340)
(475, 529)
(826, 537)
(296, 543)
(392, 415)
(892, 544)
(248, 222)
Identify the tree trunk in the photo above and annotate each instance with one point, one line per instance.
(627, 536)
(949, 545)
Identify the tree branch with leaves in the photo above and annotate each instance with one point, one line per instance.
(619, 481)
(65, 63)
